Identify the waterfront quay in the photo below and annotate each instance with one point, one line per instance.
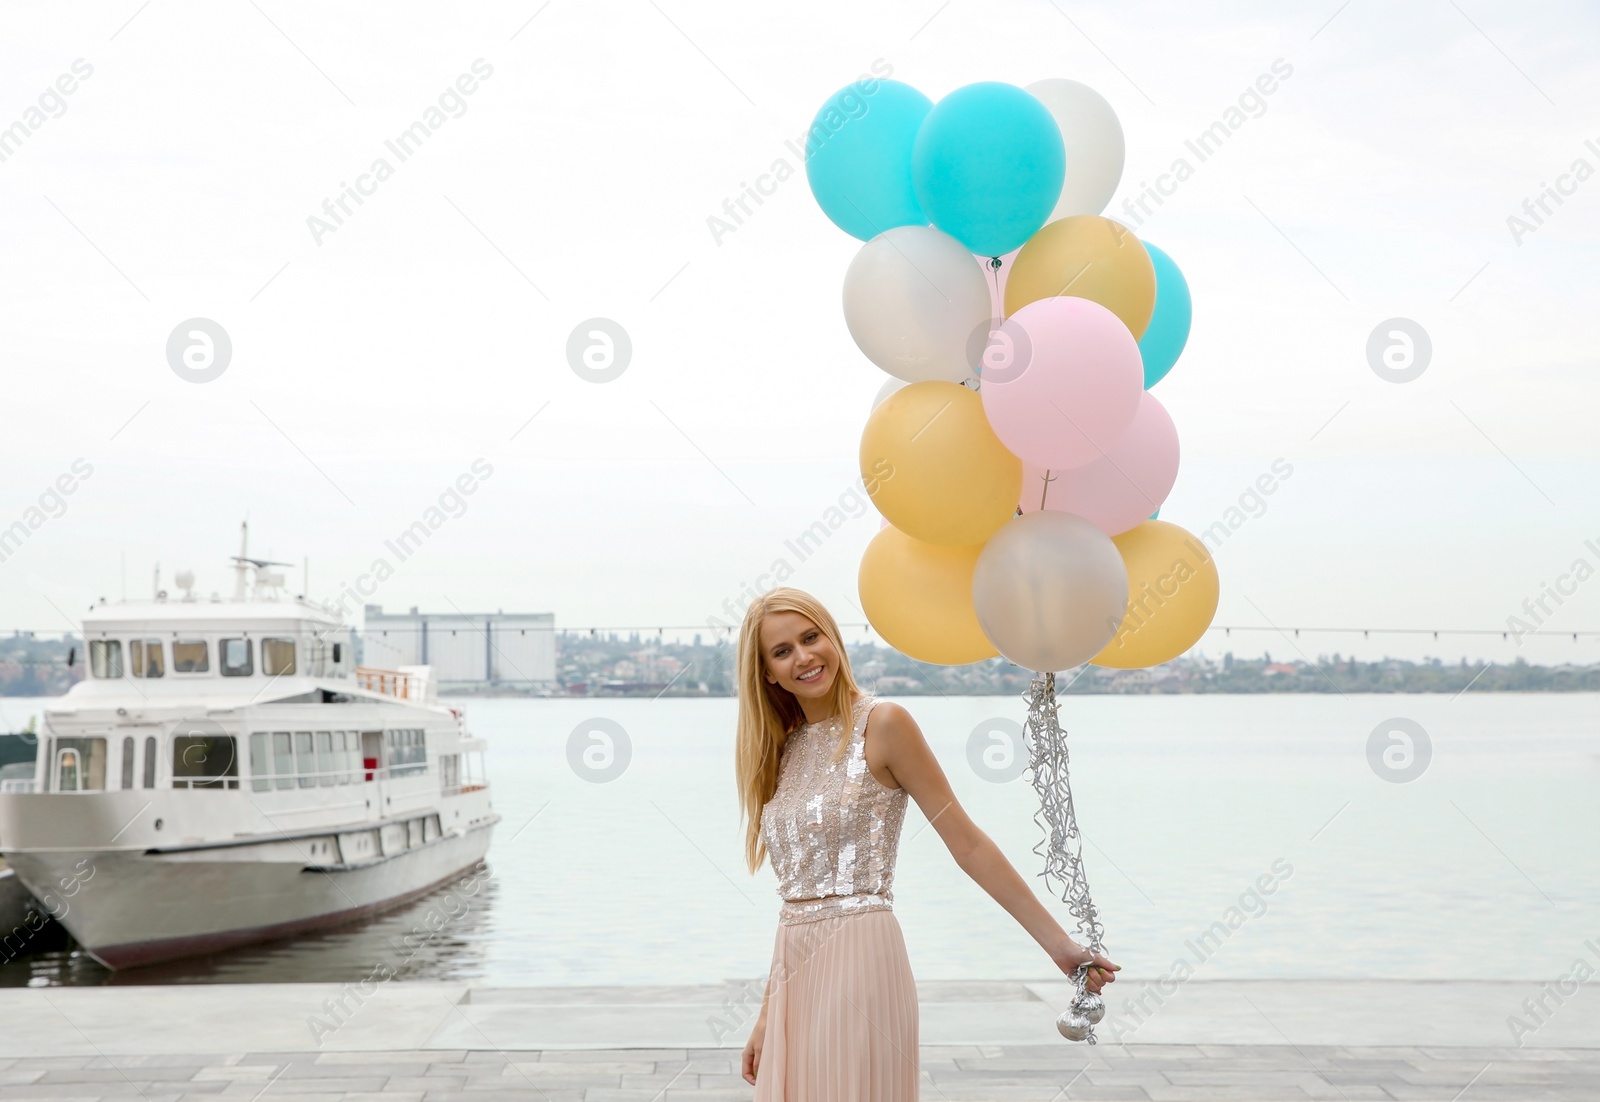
(1236, 1040)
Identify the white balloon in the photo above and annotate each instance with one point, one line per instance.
(1050, 590)
(1093, 137)
(913, 300)
(890, 385)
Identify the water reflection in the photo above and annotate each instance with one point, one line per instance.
(440, 936)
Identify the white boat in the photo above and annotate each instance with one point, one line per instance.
(227, 775)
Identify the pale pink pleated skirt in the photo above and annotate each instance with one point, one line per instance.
(842, 1013)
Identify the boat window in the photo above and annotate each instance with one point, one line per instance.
(305, 758)
(191, 656)
(260, 761)
(277, 657)
(105, 658)
(346, 745)
(204, 761)
(80, 764)
(150, 761)
(127, 762)
(325, 762)
(450, 771)
(283, 759)
(66, 770)
(338, 654)
(146, 658)
(408, 752)
(234, 656)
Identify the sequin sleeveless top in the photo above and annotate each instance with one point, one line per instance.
(832, 829)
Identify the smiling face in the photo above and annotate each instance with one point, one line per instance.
(798, 657)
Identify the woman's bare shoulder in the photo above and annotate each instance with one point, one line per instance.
(887, 716)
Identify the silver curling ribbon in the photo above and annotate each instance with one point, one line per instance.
(1062, 847)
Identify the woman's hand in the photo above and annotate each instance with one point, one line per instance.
(751, 1062)
(1072, 955)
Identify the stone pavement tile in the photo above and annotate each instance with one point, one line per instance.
(687, 1094)
(484, 1056)
(570, 1079)
(1479, 1053)
(956, 1052)
(1147, 1051)
(731, 1081)
(118, 1075)
(524, 1095)
(379, 1056)
(45, 1063)
(121, 1089)
(615, 1068)
(979, 1090)
(1223, 1073)
(278, 1058)
(581, 1055)
(160, 1060)
(419, 1084)
(1375, 1052)
(1262, 1052)
(366, 1069)
(13, 1076)
(238, 1073)
(285, 1084)
(1219, 1093)
(1328, 1092)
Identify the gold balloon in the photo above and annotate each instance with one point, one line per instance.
(1086, 256)
(935, 468)
(918, 596)
(1172, 596)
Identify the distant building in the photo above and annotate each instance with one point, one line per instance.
(466, 650)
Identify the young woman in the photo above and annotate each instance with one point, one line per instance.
(824, 773)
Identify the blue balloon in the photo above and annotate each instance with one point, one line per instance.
(1156, 514)
(988, 166)
(1168, 330)
(858, 156)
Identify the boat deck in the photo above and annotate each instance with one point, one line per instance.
(1243, 1041)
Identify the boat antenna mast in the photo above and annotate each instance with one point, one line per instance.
(242, 563)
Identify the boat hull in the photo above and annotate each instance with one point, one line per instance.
(129, 908)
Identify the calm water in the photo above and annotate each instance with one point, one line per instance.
(1486, 865)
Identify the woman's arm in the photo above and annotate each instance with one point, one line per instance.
(898, 755)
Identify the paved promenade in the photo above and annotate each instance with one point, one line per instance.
(1243, 1041)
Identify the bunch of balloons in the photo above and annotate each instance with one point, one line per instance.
(1022, 331)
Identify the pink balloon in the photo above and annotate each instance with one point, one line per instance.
(1070, 384)
(1124, 486)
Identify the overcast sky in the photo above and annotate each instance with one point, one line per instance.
(373, 364)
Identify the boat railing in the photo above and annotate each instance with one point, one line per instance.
(395, 683)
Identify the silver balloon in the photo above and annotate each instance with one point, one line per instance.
(913, 297)
(1095, 146)
(1091, 1006)
(1049, 589)
(1074, 1026)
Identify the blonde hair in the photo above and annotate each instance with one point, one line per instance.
(768, 713)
